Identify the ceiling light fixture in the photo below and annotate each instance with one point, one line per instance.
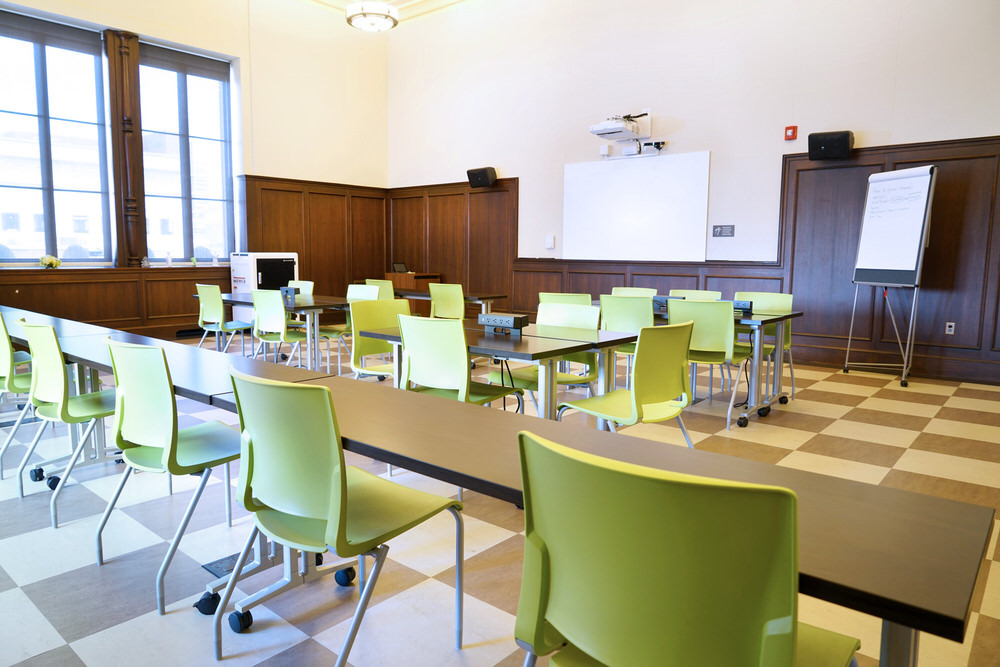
(372, 16)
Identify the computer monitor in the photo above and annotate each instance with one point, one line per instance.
(399, 267)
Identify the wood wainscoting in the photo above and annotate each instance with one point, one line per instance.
(154, 302)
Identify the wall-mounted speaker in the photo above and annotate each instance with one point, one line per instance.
(831, 145)
(482, 178)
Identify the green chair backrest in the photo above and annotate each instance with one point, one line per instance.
(633, 291)
(577, 298)
(435, 354)
(385, 287)
(49, 382)
(660, 372)
(568, 315)
(358, 292)
(305, 286)
(210, 308)
(714, 329)
(368, 315)
(447, 300)
(269, 312)
(626, 313)
(292, 460)
(698, 294)
(7, 366)
(712, 564)
(145, 406)
(770, 302)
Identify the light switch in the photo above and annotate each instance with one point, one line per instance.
(550, 241)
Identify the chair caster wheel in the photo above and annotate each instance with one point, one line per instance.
(36, 475)
(240, 621)
(119, 461)
(52, 482)
(847, 370)
(319, 559)
(742, 422)
(904, 383)
(783, 400)
(344, 577)
(208, 603)
(764, 411)
(382, 377)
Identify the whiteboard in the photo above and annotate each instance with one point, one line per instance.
(895, 227)
(638, 209)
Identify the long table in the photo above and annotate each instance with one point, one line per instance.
(910, 559)
(485, 301)
(907, 558)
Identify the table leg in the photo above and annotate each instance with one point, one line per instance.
(753, 391)
(312, 338)
(397, 364)
(779, 360)
(899, 645)
(547, 387)
(605, 375)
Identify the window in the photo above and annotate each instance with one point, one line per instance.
(11, 221)
(53, 141)
(186, 152)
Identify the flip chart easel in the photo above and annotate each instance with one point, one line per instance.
(894, 233)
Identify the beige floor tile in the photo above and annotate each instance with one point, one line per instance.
(816, 408)
(992, 407)
(835, 467)
(845, 621)
(26, 632)
(807, 373)
(982, 387)
(991, 594)
(917, 386)
(669, 436)
(900, 407)
(765, 434)
(984, 473)
(934, 650)
(887, 435)
(964, 430)
(844, 388)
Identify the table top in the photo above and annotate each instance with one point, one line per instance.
(64, 328)
(597, 338)
(755, 318)
(302, 302)
(909, 558)
(523, 348)
(471, 298)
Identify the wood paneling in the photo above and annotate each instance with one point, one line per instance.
(448, 237)
(329, 256)
(492, 240)
(283, 224)
(595, 282)
(527, 285)
(368, 242)
(408, 233)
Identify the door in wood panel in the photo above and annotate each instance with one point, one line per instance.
(282, 221)
(956, 259)
(367, 237)
(829, 207)
(447, 240)
(408, 234)
(328, 248)
(491, 243)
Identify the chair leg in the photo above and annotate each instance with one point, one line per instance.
(107, 513)
(459, 576)
(230, 587)
(732, 397)
(205, 474)
(687, 438)
(229, 495)
(380, 554)
(791, 370)
(203, 338)
(225, 348)
(13, 429)
(27, 455)
(68, 471)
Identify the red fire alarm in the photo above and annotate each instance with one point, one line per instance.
(791, 132)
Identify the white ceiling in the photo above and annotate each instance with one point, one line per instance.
(408, 9)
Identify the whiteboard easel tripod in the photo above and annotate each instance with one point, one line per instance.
(894, 234)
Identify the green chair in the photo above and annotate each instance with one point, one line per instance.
(386, 290)
(771, 302)
(634, 291)
(626, 314)
(341, 332)
(271, 327)
(13, 383)
(305, 498)
(435, 362)
(212, 318)
(712, 340)
(557, 314)
(705, 571)
(51, 398)
(146, 432)
(367, 316)
(447, 300)
(577, 298)
(697, 294)
(305, 288)
(659, 388)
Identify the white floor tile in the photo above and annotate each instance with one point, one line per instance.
(430, 547)
(24, 630)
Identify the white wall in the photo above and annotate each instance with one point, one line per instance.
(311, 89)
(515, 84)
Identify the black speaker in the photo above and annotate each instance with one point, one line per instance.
(482, 178)
(831, 145)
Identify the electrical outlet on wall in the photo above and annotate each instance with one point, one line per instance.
(949, 328)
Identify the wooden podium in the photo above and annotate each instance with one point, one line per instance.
(416, 282)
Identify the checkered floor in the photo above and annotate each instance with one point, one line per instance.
(58, 607)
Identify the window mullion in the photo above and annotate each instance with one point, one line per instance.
(45, 149)
(102, 150)
(187, 208)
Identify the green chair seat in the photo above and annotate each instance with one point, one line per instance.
(212, 317)
(21, 357)
(368, 315)
(80, 409)
(271, 326)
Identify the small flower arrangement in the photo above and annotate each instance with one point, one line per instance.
(49, 262)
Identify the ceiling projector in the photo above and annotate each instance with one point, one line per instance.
(617, 128)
